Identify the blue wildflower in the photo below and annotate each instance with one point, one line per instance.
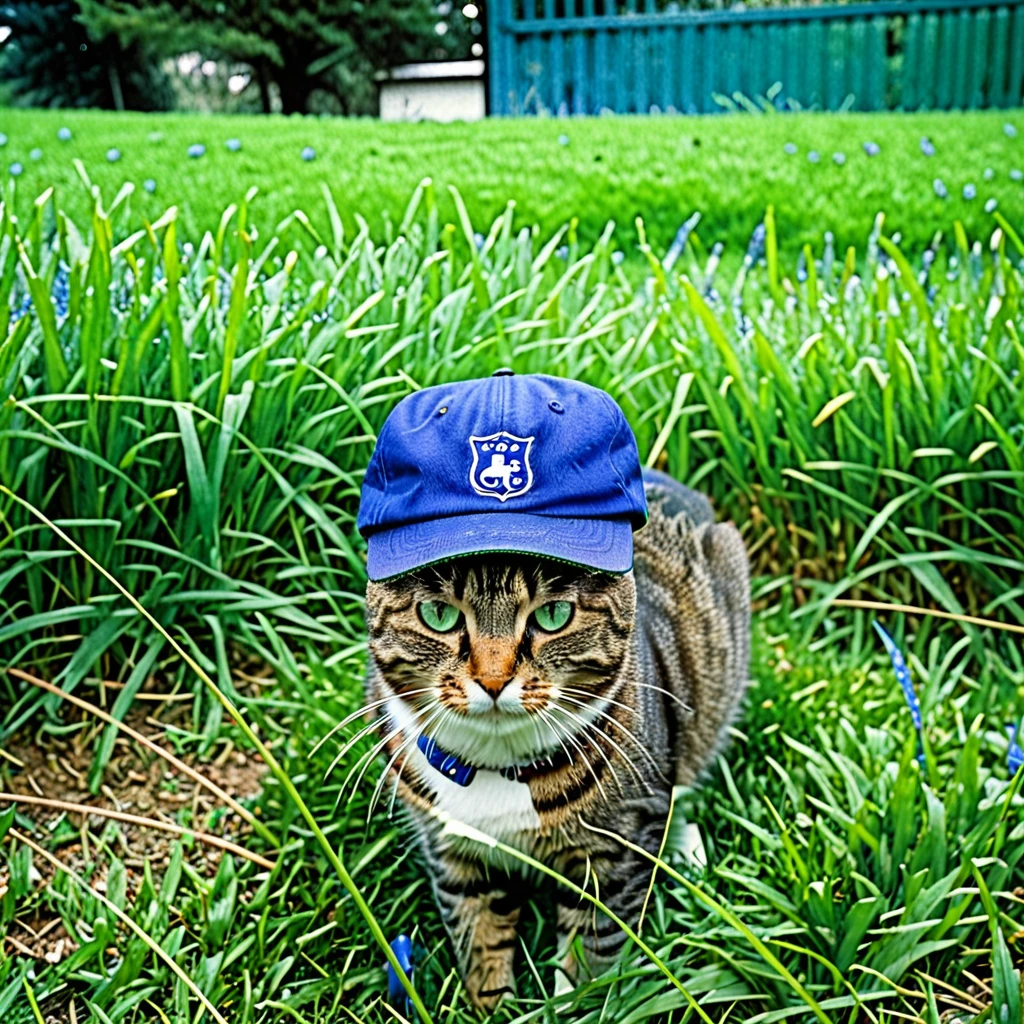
(1016, 174)
(755, 247)
(15, 169)
(113, 155)
(675, 250)
(991, 204)
(801, 267)
(478, 240)
(872, 148)
(234, 145)
(618, 256)
(1010, 130)
(3, 139)
(64, 134)
(1014, 756)
(814, 156)
(61, 290)
(939, 187)
(969, 191)
(899, 666)
(35, 154)
(562, 252)
(402, 948)
(308, 153)
(149, 185)
(988, 174)
(790, 148)
(563, 139)
(926, 146)
(196, 150)
(839, 159)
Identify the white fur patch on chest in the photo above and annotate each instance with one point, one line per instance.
(499, 807)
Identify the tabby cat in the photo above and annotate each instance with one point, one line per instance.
(565, 697)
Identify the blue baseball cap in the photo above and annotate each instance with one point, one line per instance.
(527, 464)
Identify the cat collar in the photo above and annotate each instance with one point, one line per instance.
(456, 770)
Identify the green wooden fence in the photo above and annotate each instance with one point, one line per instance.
(588, 56)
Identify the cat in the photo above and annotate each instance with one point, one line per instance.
(529, 698)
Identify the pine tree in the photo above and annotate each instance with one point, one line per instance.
(51, 59)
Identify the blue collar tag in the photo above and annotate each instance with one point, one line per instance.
(447, 764)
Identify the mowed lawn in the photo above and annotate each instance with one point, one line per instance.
(660, 168)
(196, 413)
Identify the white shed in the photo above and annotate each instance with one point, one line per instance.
(441, 91)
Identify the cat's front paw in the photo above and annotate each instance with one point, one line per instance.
(487, 987)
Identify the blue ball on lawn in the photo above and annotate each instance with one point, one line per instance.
(196, 150)
(64, 134)
(308, 153)
(234, 145)
(149, 185)
(113, 155)
(16, 169)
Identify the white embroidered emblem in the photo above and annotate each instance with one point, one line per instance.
(501, 465)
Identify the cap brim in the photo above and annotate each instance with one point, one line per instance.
(603, 544)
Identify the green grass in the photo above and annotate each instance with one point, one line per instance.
(199, 419)
(662, 169)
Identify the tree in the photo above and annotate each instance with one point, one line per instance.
(50, 59)
(299, 46)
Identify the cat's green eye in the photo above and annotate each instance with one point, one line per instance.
(552, 616)
(439, 616)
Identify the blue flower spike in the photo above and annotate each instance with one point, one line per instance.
(899, 666)
(402, 948)
(1014, 755)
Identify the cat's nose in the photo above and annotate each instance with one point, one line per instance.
(493, 685)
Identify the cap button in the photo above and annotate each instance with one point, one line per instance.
(504, 371)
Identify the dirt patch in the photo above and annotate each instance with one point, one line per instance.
(136, 781)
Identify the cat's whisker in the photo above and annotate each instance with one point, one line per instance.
(590, 741)
(364, 731)
(589, 727)
(359, 712)
(616, 722)
(661, 689)
(378, 788)
(367, 758)
(599, 697)
(586, 760)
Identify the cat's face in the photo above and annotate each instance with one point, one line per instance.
(500, 658)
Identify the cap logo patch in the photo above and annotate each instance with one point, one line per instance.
(501, 465)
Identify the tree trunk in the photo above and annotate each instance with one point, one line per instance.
(295, 90)
(264, 84)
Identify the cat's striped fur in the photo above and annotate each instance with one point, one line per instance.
(631, 697)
